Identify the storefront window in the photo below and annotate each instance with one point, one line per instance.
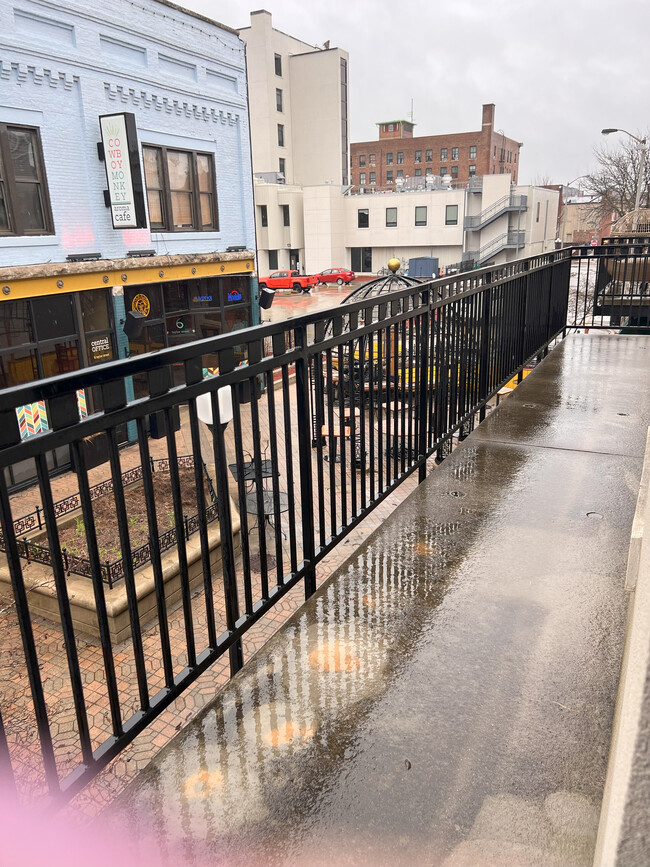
(175, 296)
(15, 324)
(53, 316)
(151, 339)
(18, 367)
(236, 290)
(145, 299)
(60, 358)
(205, 293)
(94, 310)
(180, 328)
(237, 319)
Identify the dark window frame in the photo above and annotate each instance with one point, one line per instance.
(449, 210)
(196, 192)
(421, 222)
(279, 99)
(392, 223)
(280, 135)
(418, 157)
(277, 60)
(9, 181)
(264, 216)
(286, 215)
(363, 218)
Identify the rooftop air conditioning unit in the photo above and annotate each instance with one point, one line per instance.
(280, 177)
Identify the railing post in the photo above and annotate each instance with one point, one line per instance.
(425, 390)
(231, 599)
(485, 352)
(304, 452)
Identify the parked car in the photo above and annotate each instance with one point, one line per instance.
(288, 280)
(336, 275)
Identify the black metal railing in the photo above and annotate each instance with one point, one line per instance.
(111, 571)
(343, 418)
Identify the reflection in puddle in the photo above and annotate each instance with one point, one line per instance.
(263, 756)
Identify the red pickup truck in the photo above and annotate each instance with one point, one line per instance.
(288, 280)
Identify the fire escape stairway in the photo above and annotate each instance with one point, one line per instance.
(502, 206)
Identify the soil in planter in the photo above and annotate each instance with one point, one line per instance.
(73, 538)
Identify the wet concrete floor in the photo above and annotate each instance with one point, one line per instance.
(447, 697)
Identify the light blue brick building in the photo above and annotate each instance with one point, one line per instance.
(71, 285)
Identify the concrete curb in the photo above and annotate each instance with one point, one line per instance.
(624, 829)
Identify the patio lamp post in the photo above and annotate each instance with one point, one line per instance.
(639, 183)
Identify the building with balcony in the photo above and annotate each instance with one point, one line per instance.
(486, 221)
(398, 154)
(127, 219)
(299, 131)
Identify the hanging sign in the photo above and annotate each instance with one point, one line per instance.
(122, 161)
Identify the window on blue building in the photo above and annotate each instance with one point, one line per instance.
(24, 200)
(181, 190)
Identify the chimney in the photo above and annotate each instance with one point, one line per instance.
(488, 115)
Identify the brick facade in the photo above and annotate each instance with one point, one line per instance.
(182, 76)
(396, 150)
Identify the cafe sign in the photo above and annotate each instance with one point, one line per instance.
(119, 146)
(101, 348)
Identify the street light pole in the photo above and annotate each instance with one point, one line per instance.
(639, 183)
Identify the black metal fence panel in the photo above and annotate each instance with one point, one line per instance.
(325, 417)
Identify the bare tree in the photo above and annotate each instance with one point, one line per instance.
(614, 183)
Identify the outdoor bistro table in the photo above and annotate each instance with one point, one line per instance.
(267, 505)
(266, 470)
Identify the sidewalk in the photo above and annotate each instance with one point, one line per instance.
(447, 698)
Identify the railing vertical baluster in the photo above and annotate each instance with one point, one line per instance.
(304, 449)
(288, 452)
(79, 461)
(65, 613)
(330, 429)
(129, 577)
(424, 384)
(259, 488)
(242, 494)
(199, 482)
(28, 642)
(276, 490)
(318, 413)
(484, 354)
(225, 523)
(154, 550)
(179, 524)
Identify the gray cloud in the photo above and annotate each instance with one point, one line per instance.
(558, 71)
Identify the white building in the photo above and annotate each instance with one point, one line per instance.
(298, 97)
(306, 214)
(489, 221)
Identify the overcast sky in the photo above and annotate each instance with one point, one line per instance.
(558, 71)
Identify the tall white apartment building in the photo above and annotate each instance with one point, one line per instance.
(299, 120)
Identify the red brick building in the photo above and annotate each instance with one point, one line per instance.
(399, 154)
